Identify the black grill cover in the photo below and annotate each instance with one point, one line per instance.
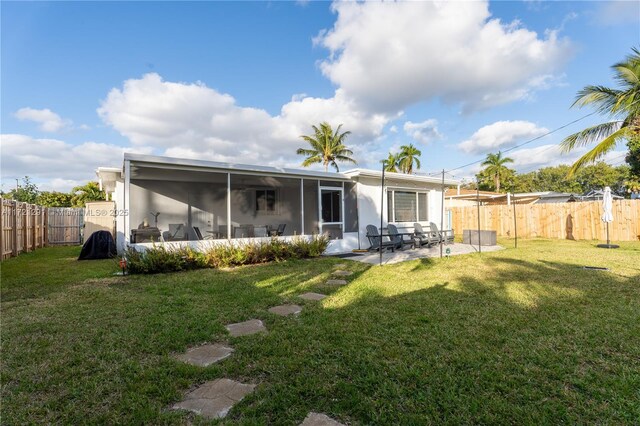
(99, 245)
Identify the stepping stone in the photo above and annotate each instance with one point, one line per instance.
(203, 356)
(340, 273)
(215, 398)
(284, 310)
(246, 328)
(316, 419)
(336, 282)
(312, 296)
(340, 265)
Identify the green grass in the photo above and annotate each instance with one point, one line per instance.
(520, 336)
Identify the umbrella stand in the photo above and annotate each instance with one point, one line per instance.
(608, 245)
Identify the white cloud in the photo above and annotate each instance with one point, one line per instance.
(56, 161)
(529, 159)
(423, 132)
(387, 56)
(500, 135)
(49, 121)
(193, 120)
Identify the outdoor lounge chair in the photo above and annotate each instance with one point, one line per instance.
(198, 232)
(446, 235)
(177, 232)
(280, 230)
(426, 238)
(376, 241)
(398, 239)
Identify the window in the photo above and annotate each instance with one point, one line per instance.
(265, 200)
(407, 206)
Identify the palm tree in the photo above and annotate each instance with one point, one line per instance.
(391, 163)
(89, 192)
(327, 147)
(495, 167)
(622, 105)
(407, 157)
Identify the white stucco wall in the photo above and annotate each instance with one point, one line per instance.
(370, 199)
(118, 198)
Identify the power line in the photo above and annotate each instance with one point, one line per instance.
(529, 141)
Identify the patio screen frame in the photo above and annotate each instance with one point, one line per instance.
(320, 181)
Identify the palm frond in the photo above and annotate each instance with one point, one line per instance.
(311, 160)
(604, 98)
(345, 159)
(606, 145)
(589, 135)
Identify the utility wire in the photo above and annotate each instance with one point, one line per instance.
(529, 141)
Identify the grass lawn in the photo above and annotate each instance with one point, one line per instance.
(518, 336)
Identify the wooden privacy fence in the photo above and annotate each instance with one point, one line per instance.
(579, 221)
(25, 227)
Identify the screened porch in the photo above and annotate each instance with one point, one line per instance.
(168, 203)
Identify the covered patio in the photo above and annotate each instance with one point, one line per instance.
(175, 200)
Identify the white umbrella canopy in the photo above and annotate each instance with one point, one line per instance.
(607, 215)
(607, 205)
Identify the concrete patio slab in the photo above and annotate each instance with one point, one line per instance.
(340, 273)
(312, 296)
(284, 310)
(317, 419)
(215, 398)
(388, 257)
(203, 356)
(336, 282)
(246, 328)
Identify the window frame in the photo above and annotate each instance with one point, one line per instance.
(276, 199)
(391, 208)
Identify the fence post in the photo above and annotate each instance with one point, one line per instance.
(34, 228)
(14, 229)
(25, 221)
(2, 239)
(45, 227)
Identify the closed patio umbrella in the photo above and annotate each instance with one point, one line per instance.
(607, 215)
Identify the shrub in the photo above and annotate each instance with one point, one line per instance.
(159, 259)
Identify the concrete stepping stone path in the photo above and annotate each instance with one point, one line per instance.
(215, 398)
(203, 356)
(246, 328)
(340, 273)
(312, 296)
(340, 266)
(284, 310)
(336, 282)
(317, 419)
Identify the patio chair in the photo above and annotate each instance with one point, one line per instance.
(375, 241)
(446, 235)
(397, 239)
(426, 238)
(176, 232)
(260, 231)
(198, 233)
(280, 230)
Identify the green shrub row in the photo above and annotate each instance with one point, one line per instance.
(159, 259)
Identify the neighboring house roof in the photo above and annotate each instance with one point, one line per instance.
(597, 194)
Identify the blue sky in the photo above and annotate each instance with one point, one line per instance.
(83, 82)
